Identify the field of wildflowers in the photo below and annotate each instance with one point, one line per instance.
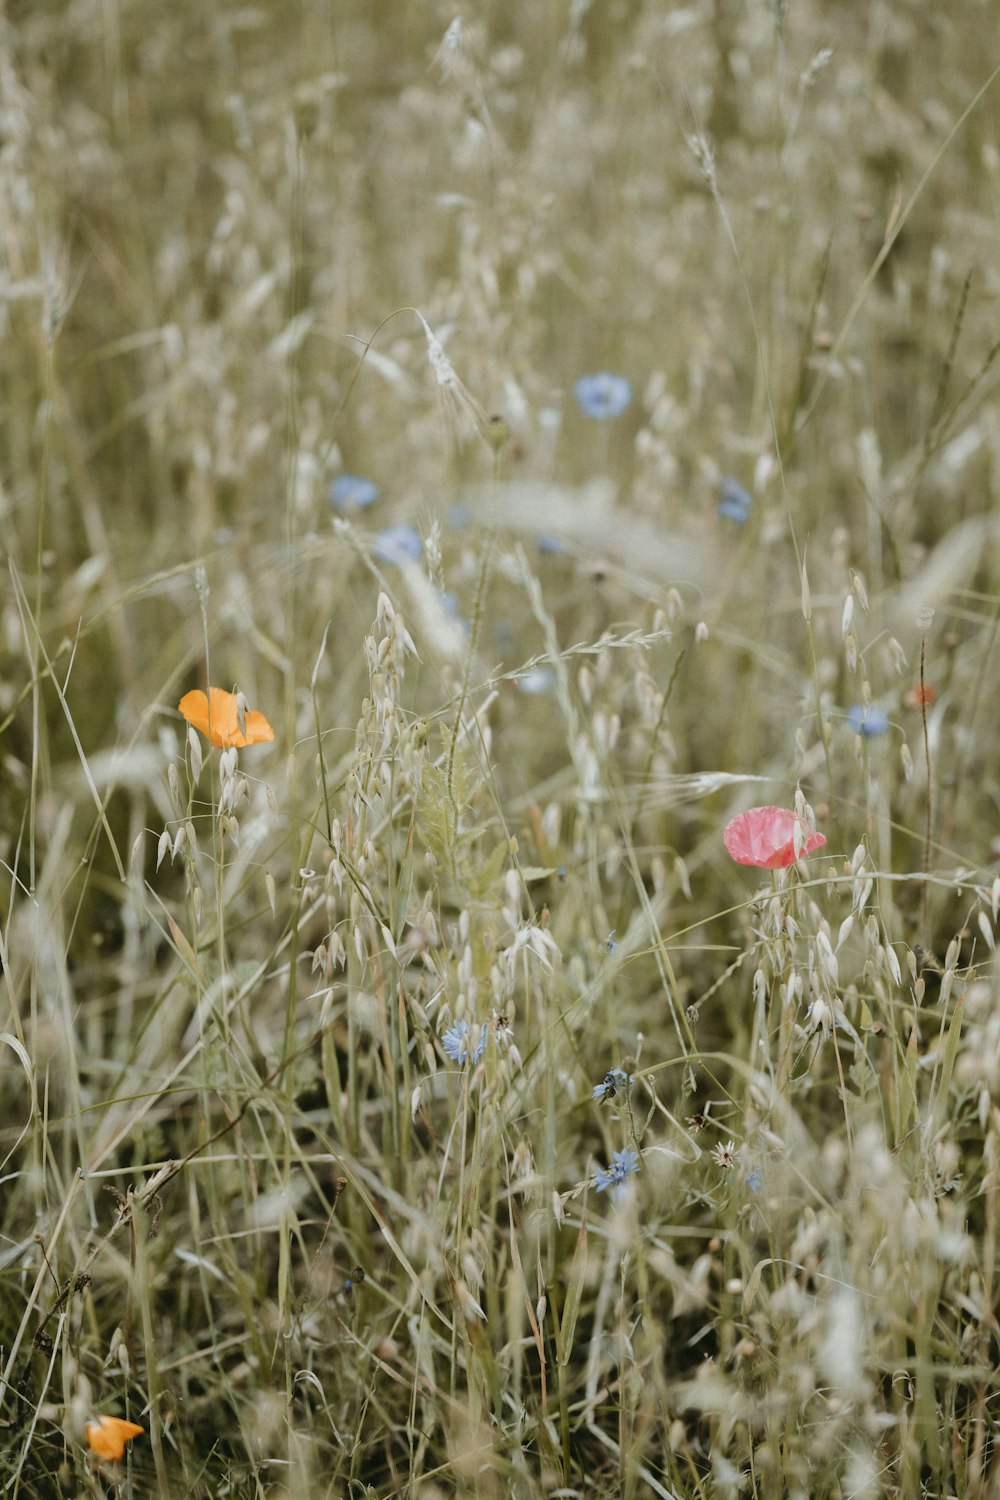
(499, 695)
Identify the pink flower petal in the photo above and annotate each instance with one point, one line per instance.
(765, 837)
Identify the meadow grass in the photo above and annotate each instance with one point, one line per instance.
(424, 1103)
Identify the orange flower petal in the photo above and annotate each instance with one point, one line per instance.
(215, 717)
(107, 1436)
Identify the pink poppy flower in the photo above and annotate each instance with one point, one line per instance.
(765, 837)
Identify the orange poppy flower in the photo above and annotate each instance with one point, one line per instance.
(217, 717)
(107, 1436)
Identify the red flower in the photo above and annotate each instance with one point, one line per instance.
(765, 837)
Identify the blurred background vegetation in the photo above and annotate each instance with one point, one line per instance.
(247, 248)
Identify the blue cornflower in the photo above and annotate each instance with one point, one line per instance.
(624, 1164)
(736, 501)
(601, 396)
(551, 546)
(537, 680)
(754, 1179)
(352, 492)
(449, 604)
(397, 545)
(868, 722)
(355, 1279)
(456, 1042)
(616, 1082)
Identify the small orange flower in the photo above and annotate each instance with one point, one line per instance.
(107, 1436)
(919, 694)
(218, 718)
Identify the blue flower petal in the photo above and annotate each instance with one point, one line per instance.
(615, 1082)
(397, 545)
(353, 492)
(537, 680)
(868, 722)
(624, 1164)
(551, 546)
(603, 395)
(456, 1043)
(736, 501)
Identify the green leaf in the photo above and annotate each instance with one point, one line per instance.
(574, 1294)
